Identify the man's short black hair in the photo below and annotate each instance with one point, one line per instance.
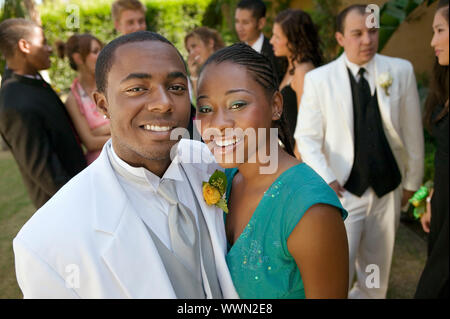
(105, 59)
(11, 31)
(257, 7)
(340, 19)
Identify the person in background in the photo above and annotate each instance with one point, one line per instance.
(93, 129)
(359, 127)
(250, 19)
(295, 37)
(128, 16)
(33, 120)
(434, 280)
(200, 43)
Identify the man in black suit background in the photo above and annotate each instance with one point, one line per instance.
(33, 120)
(250, 18)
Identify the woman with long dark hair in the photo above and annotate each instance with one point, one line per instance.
(434, 280)
(295, 37)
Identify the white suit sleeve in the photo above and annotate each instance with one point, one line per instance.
(412, 134)
(36, 278)
(309, 133)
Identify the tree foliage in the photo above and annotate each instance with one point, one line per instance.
(171, 18)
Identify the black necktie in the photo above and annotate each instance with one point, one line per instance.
(363, 89)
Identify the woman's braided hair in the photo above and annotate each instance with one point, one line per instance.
(261, 70)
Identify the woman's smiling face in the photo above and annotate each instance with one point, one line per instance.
(232, 106)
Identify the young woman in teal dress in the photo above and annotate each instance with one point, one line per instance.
(285, 228)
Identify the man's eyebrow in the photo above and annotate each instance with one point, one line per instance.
(137, 76)
(176, 74)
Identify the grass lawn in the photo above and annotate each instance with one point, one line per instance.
(16, 209)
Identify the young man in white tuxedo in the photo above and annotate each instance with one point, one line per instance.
(134, 224)
(359, 126)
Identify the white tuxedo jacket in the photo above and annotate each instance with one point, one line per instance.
(325, 134)
(89, 242)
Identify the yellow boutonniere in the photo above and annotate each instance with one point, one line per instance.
(214, 190)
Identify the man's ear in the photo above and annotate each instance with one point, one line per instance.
(339, 38)
(24, 46)
(261, 23)
(277, 106)
(101, 102)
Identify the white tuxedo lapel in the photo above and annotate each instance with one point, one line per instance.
(343, 96)
(385, 102)
(197, 173)
(213, 216)
(131, 254)
(383, 98)
(134, 260)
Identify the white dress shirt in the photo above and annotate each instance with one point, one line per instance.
(257, 46)
(151, 207)
(369, 75)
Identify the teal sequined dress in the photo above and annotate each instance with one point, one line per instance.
(259, 261)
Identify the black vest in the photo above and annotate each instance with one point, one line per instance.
(374, 164)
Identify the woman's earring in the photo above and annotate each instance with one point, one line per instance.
(105, 117)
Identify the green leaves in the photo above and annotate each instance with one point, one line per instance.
(171, 18)
(222, 204)
(219, 181)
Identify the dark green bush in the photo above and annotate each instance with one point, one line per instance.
(173, 19)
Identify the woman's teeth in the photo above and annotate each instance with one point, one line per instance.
(223, 143)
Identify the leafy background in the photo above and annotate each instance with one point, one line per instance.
(175, 18)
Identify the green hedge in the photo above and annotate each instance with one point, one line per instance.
(171, 18)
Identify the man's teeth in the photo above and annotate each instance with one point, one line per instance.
(223, 143)
(157, 128)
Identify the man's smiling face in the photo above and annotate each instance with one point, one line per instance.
(146, 98)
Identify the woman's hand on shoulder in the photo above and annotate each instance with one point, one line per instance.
(319, 246)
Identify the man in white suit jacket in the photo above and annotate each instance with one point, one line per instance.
(94, 239)
(326, 139)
